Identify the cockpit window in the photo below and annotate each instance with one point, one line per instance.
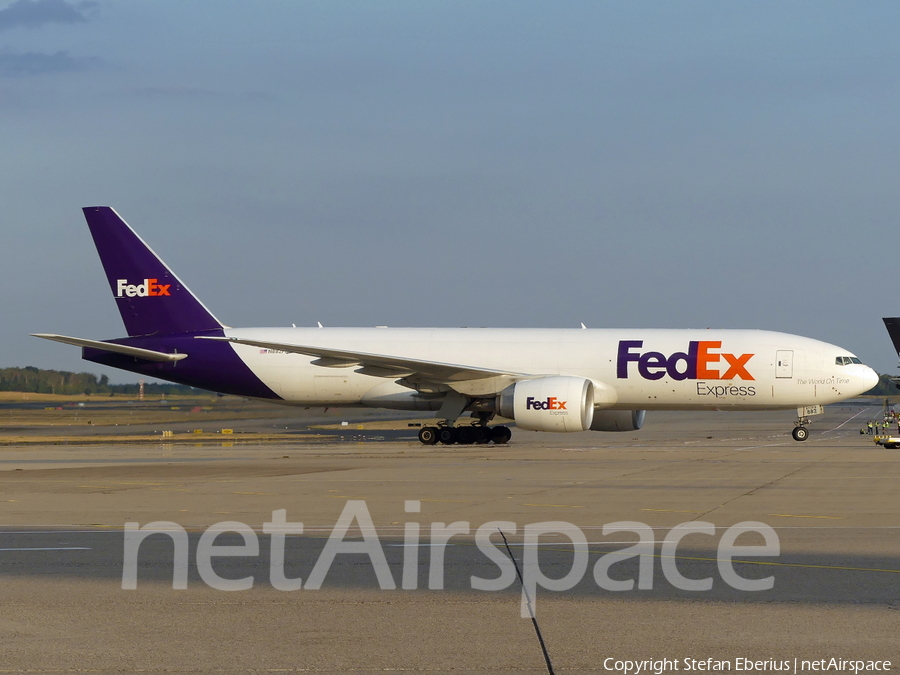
(846, 360)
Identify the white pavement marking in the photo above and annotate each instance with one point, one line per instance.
(49, 548)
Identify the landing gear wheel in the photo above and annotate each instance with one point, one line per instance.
(447, 435)
(465, 435)
(428, 435)
(800, 433)
(483, 435)
(500, 435)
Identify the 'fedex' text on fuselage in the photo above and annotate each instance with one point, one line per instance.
(699, 362)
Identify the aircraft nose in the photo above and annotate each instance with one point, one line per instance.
(869, 378)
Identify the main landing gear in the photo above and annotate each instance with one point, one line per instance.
(479, 433)
(464, 435)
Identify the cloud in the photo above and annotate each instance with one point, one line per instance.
(34, 63)
(187, 93)
(36, 13)
(176, 91)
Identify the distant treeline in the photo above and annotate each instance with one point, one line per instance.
(884, 387)
(36, 381)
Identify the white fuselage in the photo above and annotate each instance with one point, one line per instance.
(651, 369)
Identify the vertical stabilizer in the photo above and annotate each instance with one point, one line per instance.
(151, 299)
(893, 328)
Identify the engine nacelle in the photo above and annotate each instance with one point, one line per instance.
(618, 420)
(557, 403)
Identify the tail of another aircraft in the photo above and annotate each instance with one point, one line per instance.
(151, 299)
(893, 328)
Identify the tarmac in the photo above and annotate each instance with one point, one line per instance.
(832, 502)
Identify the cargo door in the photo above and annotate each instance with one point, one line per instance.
(784, 363)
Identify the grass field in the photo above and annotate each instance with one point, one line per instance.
(30, 420)
(35, 419)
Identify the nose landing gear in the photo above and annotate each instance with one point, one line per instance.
(800, 432)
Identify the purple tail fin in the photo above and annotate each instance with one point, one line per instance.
(151, 299)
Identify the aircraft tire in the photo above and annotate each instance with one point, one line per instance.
(800, 433)
(447, 435)
(483, 435)
(500, 435)
(465, 435)
(428, 435)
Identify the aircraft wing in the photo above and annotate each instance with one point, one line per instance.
(137, 352)
(381, 365)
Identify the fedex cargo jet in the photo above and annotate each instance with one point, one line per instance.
(557, 380)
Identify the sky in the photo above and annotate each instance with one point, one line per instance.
(523, 164)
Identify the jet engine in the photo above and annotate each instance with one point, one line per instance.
(618, 420)
(558, 403)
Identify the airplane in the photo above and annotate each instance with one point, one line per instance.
(554, 380)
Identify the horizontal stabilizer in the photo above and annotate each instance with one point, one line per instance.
(893, 328)
(383, 365)
(137, 352)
